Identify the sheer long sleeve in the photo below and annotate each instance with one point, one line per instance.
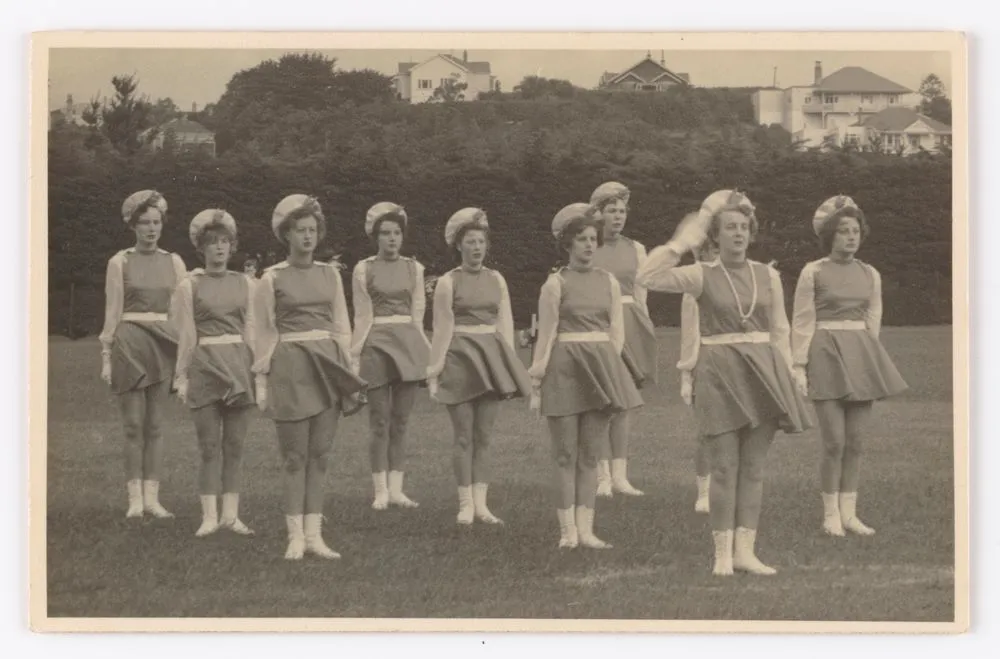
(182, 319)
(505, 317)
(444, 325)
(639, 292)
(779, 328)
(873, 315)
(690, 333)
(617, 316)
(548, 325)
(341, 317)
(265, 330)
(363, 311)
(114, 300)
(418, 299)
(249, 322)
(804, 315)
(180, 270)
(660, 273)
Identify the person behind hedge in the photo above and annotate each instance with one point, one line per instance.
(839, 361)
(690, 340)
(474, 363)
(622, 257)
(743, 385)
(389, 349)
(579, 377)
(304, 380)
(138, 345)
(211, 309)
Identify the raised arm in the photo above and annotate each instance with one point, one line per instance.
(804, 315)
(660, 272)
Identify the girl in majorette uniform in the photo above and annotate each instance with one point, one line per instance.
(473, 363)
(622, 257)
(138, 345)
(304, 382)
(690, 340)
(390, 349)
(839, 361)
(579, 377)
(743, 385)
(210, 311)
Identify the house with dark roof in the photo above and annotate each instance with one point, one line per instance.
(827, 109)
(645, 75)
(904, 131)
(184, 135)
(416, 82)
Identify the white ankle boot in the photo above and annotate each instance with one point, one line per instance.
(619, 478)
(604, 479)
(849, 517)
(230, 514)
(296, 538)
(151, 500)
(314, 537)
(832, 523)
(701, 505)
(209, 516)
(381, 501)
(396, 496)
(569, 537)
(744, 557)
(466, 505)
(723, 553)
(585, 529)
(134, 499)
(483, 513)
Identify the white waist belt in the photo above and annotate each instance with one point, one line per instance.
(583, 337)
(393, 320)
(143, 316)
(475, 329)
(730, 339)
(220, 340)
(841, 325)
(628, 299)
(311, 335)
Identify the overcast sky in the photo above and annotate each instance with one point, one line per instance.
(200, 76)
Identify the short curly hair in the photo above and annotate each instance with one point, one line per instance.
(214, 229)
(304, 211)
(574, 228)
(396, 218)
(151, 202)
(714, 225)
(829, 228)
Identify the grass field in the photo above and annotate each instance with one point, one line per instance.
(418, 564)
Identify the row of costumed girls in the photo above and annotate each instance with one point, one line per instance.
(285, 343)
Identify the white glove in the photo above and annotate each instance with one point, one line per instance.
(432, 388)
(261, 386)
(691, 232)
(181, 385)
(801, 379)
(106, 368)
(687, 387)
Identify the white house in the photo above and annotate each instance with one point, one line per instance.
(901, 130)
(187, 135)
(831, 105)
(645, 75)
(416, 82)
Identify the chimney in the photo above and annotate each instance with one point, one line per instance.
(194, 108)
(818, 73)
(465, 57)
(663, 58)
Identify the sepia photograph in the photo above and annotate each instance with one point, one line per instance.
(423, 331)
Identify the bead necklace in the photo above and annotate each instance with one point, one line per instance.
(744, 317)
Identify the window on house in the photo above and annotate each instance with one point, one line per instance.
(831, 99)
(867, 98)
(649, 88)
(892, 99)
(914, 141)
(424, 84)
(808, 100)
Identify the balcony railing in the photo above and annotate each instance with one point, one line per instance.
(843, 107)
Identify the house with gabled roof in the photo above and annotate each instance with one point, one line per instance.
(826, 109)
(416, 81)
(183, 135)
(645, 75)
(904, 131)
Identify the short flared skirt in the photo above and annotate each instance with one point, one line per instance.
(851, 365)
(640, 348)
(742, 385)
(310, 377)
(221, 374)
(481, 364)
(142, 354)
(587, 377)
(394, 353)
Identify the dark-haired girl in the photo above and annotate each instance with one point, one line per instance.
(473, 362)
(579, 377)
(138, 345)
(389, 350)
(211, 310)
(839, 361)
